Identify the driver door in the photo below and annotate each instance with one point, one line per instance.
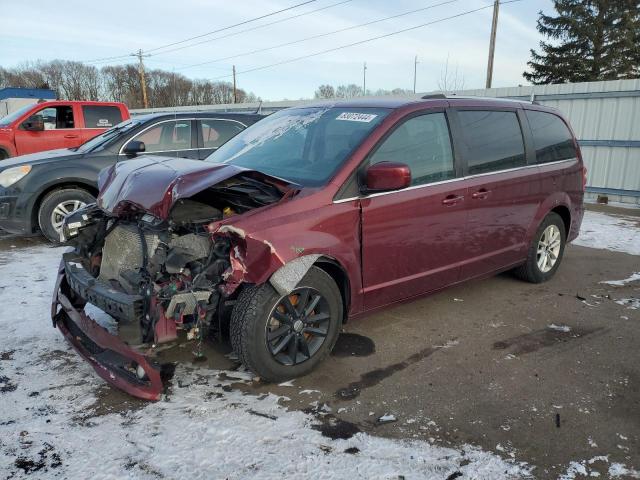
(413, 239)
(59, 131)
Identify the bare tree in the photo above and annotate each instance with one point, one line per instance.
(325, 91)
(449, 81)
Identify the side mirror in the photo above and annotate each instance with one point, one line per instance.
(134, 147)
(35, 123)
(385, 176)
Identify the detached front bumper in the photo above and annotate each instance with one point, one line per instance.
(111, 358)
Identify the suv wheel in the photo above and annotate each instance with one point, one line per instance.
(545, 252)
(56, 205)
(283, 337)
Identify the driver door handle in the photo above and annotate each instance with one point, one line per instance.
(481, 194)
(70, 135)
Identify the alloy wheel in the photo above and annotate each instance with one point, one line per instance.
(297, 326)
(548, 248)
(62, 210)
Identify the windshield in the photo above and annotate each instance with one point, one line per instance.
(12, 117)
(100, 140)
(302, 145)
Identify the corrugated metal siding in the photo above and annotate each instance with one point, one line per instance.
(608, 110)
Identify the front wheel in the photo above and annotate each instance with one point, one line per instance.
(280, 337)
(545, 252)
(56, 205)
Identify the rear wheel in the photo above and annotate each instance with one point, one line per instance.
(280, 337)
(56, 205)
(3, 155)
(545, 252)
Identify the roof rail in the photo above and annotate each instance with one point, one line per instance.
(433, 96)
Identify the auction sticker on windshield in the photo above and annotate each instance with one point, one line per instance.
(356, 117)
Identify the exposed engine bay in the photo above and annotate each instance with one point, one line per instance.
(157, 276)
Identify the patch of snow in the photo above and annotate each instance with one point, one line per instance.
(559, 328)
(620, 470)
(621, 283)
(630, 303)
(309, 392)
(387, 417)
(611, 232)
(288, 383)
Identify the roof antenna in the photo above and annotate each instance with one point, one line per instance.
(533, 97)
(259, 109)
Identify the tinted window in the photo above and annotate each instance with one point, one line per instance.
(492, 140)
(303, 145)
(167, 136)
(217, 132)
(101, 116)
(424, 145)
(551, 137)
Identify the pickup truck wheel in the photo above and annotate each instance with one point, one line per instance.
(55, 205)
(545, 252)
(280, 337)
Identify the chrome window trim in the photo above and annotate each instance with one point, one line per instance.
(468, 177)
(175, 120)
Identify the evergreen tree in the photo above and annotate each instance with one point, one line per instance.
(590, 40)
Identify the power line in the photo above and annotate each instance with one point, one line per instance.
(99, 60)
(232, 26)
(313, 37)
(239, 32)
(329, 50)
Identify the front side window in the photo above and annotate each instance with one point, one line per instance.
(217, 132)
(423, 143)
(57, 118)
(492, 140)
(302, 145)
(167, 136)
(551, 137)
(96, 116)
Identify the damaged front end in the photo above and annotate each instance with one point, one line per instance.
(158, 262)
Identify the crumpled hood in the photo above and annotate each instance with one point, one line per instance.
(154, 184)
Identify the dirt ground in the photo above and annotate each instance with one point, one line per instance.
(546, 374)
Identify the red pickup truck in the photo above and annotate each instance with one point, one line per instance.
(58, 124)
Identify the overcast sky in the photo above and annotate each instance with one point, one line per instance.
(81, 30)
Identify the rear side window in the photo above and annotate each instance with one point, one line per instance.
(217, 132)
(167, 137)
(492, 140)
(422, 143)
(551, 137)
(101, 116)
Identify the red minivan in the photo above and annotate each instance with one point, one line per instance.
(311, 217)
(57, 124)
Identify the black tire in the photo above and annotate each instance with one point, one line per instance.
(51, 201)
(3, 155)
(249, 321)
(530, 271)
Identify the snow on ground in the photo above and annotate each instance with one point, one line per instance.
(612, 232)
(51, 424)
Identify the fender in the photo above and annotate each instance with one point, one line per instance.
(10, 149)
(556, 199)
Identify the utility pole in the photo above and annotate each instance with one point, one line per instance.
(235, 92)
(415, 72)
(492, 42)
(143, 81)
(364, 79)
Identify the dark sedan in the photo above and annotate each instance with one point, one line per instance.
(38, 190)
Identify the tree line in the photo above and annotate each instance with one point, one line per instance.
(352, 90)
(120, 83)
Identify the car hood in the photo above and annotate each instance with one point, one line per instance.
(154, 184)
(40, 157)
